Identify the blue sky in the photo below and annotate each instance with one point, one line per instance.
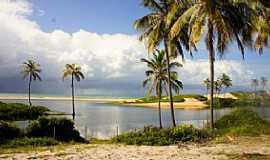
(108, 17)
(101, 16)
(98, 35)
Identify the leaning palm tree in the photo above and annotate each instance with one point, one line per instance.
(74, 71)
(32, 70)
(220, 22)
(157, 78)
(155, 28)
(263, 82)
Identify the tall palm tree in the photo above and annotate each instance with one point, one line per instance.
(155, 28)
(225, 81)
(221, 21)
(157, 78)
(206, 82)
(32, 70)
(255, 84)
(263, 82)
(74, 71)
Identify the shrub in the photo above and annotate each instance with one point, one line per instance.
(155, 136)
(18, 111)
(186, 133)
(242, 122)
(19, 142)
(63, 129)
(8, 131)
(153, 99)
(224, 102)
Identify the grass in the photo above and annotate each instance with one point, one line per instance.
(26, 141)
(178, 98)
(242, 122)
(158, 137)
(18, 111)
(246, 156)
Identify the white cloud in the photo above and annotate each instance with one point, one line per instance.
(195, 71)
(100, 55)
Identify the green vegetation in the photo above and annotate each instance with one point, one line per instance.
(17, 111)
(153, 99)
(8, 131)
(59, 128)
(41, 132)
(33, 142)
(225, 102)
(242, 122)
(156, 136)
(178, 98)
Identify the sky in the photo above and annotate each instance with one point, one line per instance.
(98, 35)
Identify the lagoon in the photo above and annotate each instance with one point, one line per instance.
(102, 120)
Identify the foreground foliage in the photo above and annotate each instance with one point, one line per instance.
(8, 131)
(18, 111)
(155, 136)
(33, 142)
(242, 122)
(60, 128)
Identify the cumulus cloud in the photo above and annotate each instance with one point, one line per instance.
(102, 56)
(195, 71)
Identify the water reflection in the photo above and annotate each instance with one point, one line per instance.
(104, 120)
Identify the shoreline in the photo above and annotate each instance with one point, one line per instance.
(189, 103)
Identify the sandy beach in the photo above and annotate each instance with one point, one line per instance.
(190, 103)
(240, 148)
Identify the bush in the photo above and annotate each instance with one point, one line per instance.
(8, 131)
(185, 133)
(46, 127)
(19, 142)
(155, 136)
(242, 122)
(153, 99)
(18, 111)
(224, 102)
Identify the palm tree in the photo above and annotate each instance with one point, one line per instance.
(74, 71)
(157, 78)
(155, 28)
(263, 82)
(225, 81)
(222, 21)
(218, 87)
(206, 82)
(254, 84)
(32, 70)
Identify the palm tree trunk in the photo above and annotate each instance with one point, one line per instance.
(29, 90)
(211, 61)
(169, 82)
(73, 104)
(159, 108)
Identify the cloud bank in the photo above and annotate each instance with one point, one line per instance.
(102, 56)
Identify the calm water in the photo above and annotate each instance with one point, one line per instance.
(105, 120)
